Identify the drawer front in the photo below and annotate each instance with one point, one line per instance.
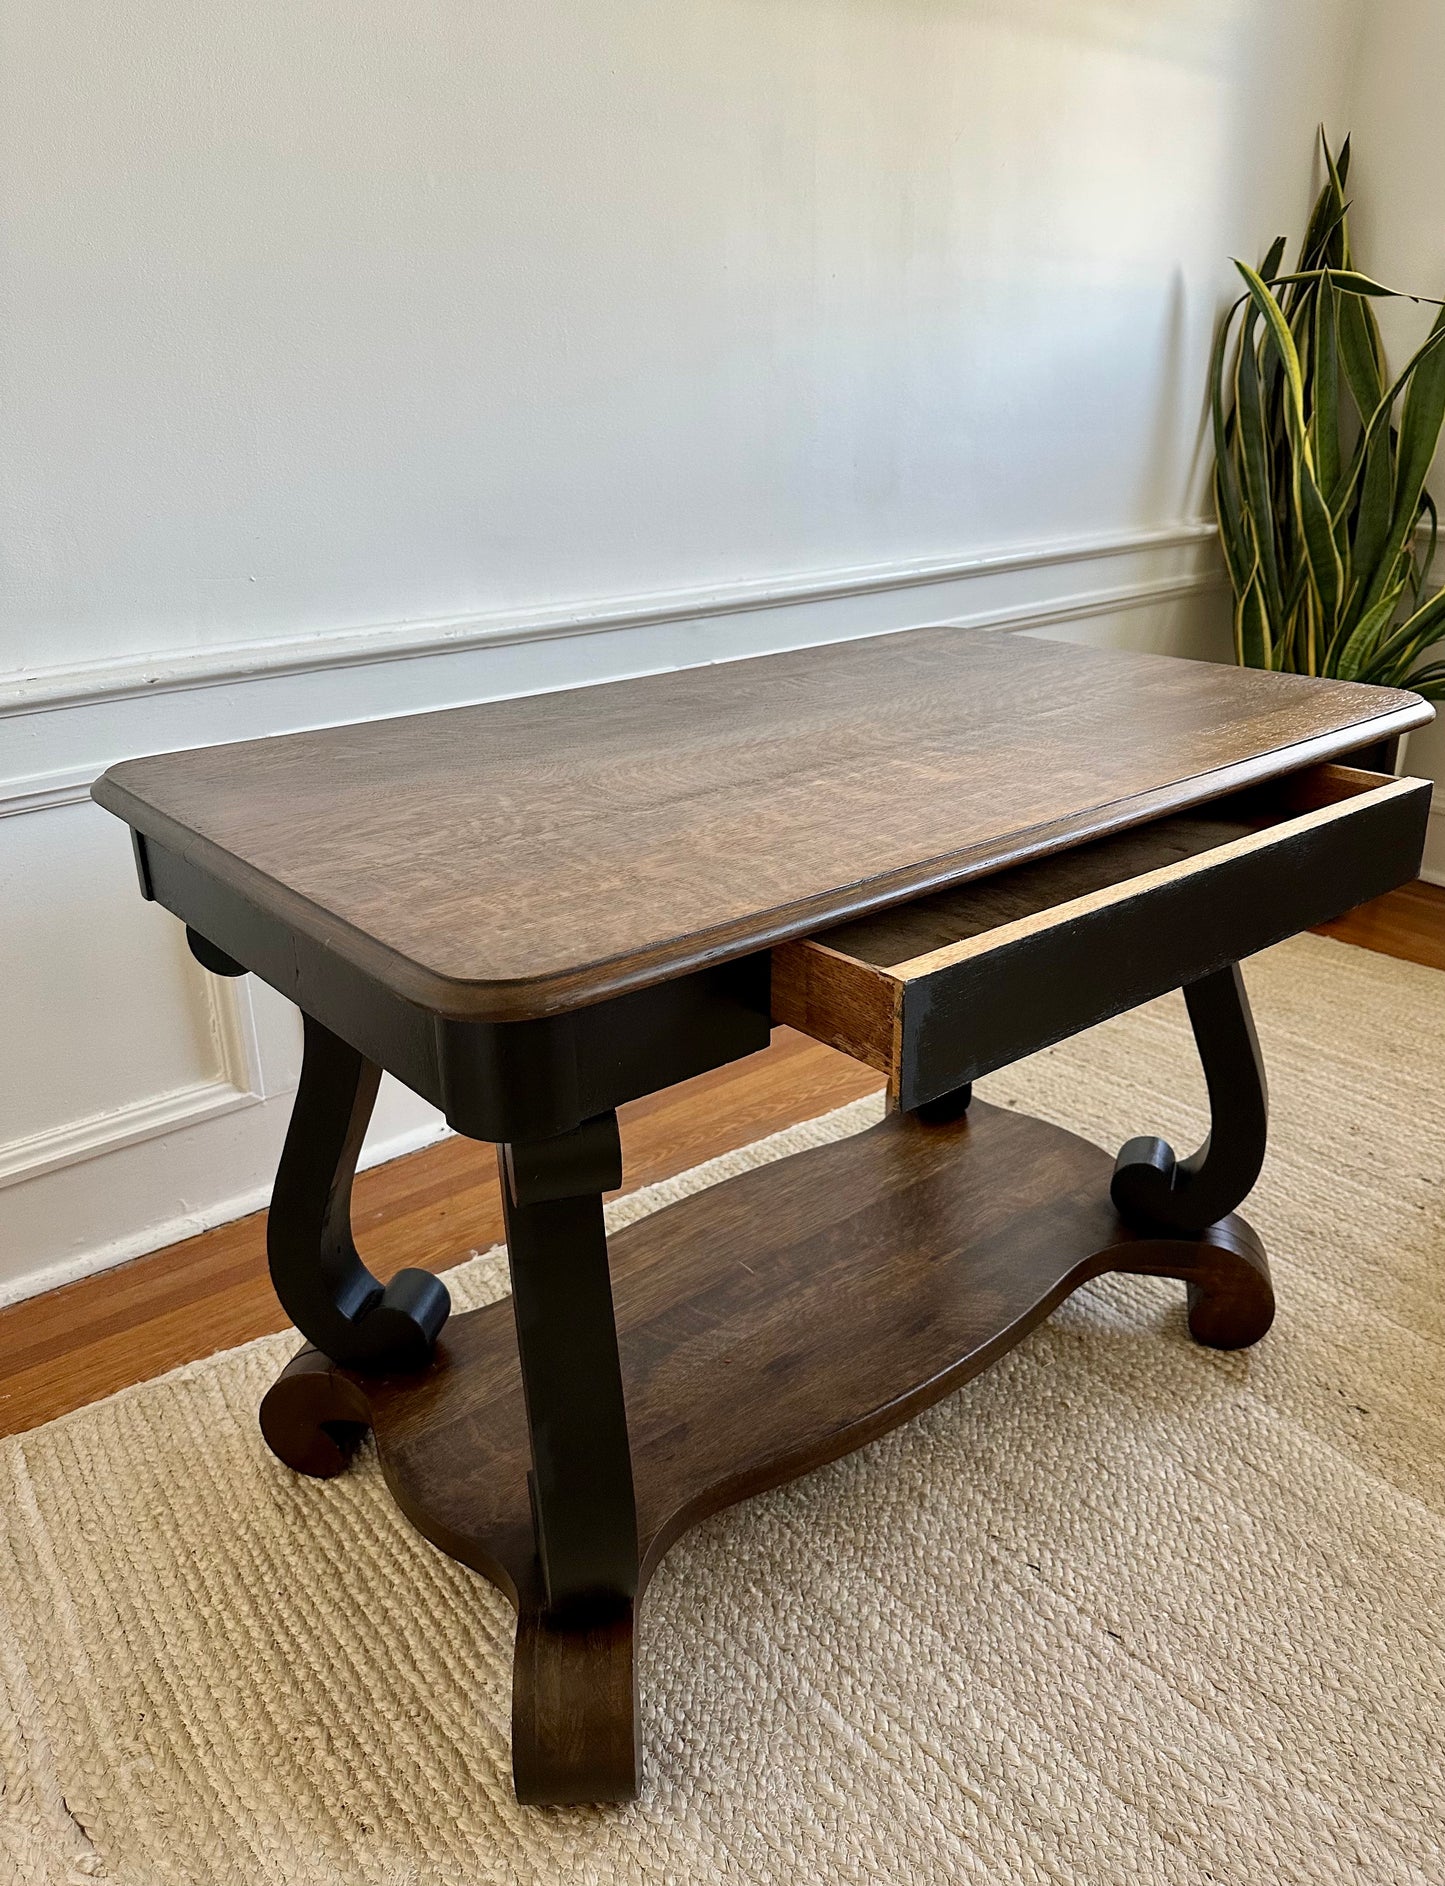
(1294, 855)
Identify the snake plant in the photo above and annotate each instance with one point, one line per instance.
(1320, 466)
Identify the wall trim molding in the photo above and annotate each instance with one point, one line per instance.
(68, 1145)
(43, 792)
(89, 1263)
(48, 689)
(239, 1083)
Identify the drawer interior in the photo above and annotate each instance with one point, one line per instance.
(939, 990)
(892, 939)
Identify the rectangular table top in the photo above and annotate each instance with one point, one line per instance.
(531, 855)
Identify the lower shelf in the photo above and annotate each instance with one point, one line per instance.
(772, 1323)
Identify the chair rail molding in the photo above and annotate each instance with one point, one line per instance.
(198, 1142)
(46, 689)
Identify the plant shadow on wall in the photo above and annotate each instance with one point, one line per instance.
(1320, 466)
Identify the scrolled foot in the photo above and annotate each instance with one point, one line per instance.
(324, 1287)
(1142, 1188)
(398, 1331)
(1231, 1296)
(1152, 1189)
(574, 1707)
(1231, 1300)
(312, 1417)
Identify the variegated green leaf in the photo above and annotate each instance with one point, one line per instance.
(1325, 416)
(1254, 459)
(1326, 573)
(1423, 384)
(1358, 649)
(1251, 627)
(1413, 638)
(1321, 463)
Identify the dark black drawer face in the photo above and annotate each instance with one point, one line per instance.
(937, 992)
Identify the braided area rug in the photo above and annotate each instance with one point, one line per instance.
(1121, 1610)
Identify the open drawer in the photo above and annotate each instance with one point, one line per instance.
(940, 990)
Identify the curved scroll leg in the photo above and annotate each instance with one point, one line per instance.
(313, 1417)
(574, 1708)
(1151, 1190)
(574, 1735)
(324, 1287)
(1231, 1297)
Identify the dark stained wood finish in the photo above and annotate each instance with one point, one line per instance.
(766, 1325)
(574, 1712)
(528, 856)
(1151, 1188)
(319, 1277)
(566, 1336)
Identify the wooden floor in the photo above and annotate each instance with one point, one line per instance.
(63, 1349)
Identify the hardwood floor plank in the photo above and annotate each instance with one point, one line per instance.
(73, 1345)
(1408, 923)
(431, 1209)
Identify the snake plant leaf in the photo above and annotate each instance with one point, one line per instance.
(1429, 681)
(1339, 170)
(1359, 358)
(1232, 529)
(1254, 458)
(1326, 217)
(1327, 251)
(1355, 655)
(1376, 503)
(1251, 626)
(1227, 498)
(1324, 423)
(1278, 330)
(1423, 384)
(1321, 462)
(1425, 563)
(1350, 282)
(1420, 425)
(1316, 531)
(1269, 369)
(1406, 644)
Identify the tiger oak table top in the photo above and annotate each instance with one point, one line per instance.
(531, 855)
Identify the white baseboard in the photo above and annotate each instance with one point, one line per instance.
(156, 1233)
(169, 1134)
(1433, 869)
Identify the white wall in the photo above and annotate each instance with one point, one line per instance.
(357, 358)
(1398, 222)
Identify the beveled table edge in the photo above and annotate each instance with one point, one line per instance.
(553, 993)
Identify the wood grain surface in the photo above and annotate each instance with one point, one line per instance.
(526, 856)
(766, 1325)
(784, 1318)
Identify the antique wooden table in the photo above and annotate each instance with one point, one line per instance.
(938, 850)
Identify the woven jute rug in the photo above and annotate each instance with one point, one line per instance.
(1122, 1610)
